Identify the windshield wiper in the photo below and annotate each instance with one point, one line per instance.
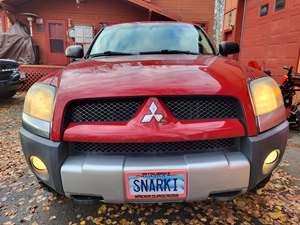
(110, 53)
(168, 51)
(164, 51)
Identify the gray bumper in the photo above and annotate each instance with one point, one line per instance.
(208, 173)
(52, 153)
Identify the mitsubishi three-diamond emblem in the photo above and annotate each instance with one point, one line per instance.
(153, 109)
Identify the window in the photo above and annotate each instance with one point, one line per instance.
(230, 20)
(279, 5)
(40, 28)
(57, 46)
(56, 37)
(264, 10)
(84, 35)
(149, 38)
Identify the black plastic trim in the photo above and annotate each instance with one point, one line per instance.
(257, 149)
(52, 153)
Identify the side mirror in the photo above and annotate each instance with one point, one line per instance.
(74, 52)
(227, 48)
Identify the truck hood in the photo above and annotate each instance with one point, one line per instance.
(154, 75)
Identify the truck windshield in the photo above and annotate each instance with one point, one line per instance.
(143, 38)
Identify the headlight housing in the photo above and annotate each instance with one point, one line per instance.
(267, 103)
(38, 109)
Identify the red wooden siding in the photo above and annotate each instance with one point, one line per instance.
(195, 11)
(155, 9)
(96, 13)
(92, 12)
(272, 40)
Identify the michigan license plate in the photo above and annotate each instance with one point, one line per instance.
(156, 184)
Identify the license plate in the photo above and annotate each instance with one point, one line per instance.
(156, 184)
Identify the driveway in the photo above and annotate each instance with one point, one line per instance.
(23, 201)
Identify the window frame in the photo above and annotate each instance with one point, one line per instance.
(85, 25)
(54, 37)
(85, 43)
(280, 9)
(261, 6)
(201, 24)
(200, 29)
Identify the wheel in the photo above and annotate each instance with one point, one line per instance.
(8, 94)
(262, 184)
(297, 126)
(44, 186)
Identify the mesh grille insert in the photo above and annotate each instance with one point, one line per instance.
(8, 65)
(203, 107)
(7, 68)
(156, 147)
(110, 110)
(183, 108)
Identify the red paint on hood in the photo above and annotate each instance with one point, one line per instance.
(152, 75)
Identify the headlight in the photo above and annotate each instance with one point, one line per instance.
(267, 102)
(38, 109)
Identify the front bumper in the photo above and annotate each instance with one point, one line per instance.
(208, 173)
(12, 83)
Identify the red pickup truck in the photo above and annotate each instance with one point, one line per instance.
(154, 113)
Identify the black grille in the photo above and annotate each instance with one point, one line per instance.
(7, 68)
(183, 108)
(8, 65)
(157, 147)
(203, 107)
(110, 110)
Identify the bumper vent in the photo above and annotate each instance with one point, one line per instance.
(203, 108)
(156, 147)
(183, 108)
(113, 110)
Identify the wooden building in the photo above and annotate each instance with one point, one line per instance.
(267, 30)
(57, 24)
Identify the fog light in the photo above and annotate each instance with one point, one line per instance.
(39, 167)
(270, 161)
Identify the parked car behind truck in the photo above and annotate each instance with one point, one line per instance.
(153, 113)
(10, 78)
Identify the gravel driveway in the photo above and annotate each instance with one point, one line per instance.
(22, 201)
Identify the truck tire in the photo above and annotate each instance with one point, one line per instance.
(262, 184)
(45, 187)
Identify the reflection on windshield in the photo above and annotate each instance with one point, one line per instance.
(141, 38)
